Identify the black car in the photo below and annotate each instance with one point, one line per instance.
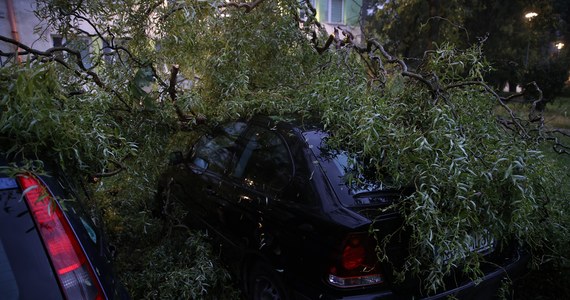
(292, 228)
(50, 248)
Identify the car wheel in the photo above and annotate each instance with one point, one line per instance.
(158, 203)
(265, 284)
(162, 206)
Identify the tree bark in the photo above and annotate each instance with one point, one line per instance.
(434, 13)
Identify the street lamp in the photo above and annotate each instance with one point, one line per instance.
(529, 16)
(558, 47)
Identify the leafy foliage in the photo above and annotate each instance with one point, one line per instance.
(38, 113)
(473, 175)
(471, 178)
(515, 46)
(180, 266)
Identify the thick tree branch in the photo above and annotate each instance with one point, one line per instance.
(110, 44)
(374, 55)
(324, 48)
(108, 37)
(432, 87)
(174, 97)
(371, 47)
(51, 54)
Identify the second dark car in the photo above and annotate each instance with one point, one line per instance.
(50, 246)
(292, 228)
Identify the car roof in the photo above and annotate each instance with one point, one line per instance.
(289, 121)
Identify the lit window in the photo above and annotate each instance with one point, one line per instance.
(336, 11)
(80, 44)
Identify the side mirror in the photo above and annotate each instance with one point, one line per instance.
(175, 158)
(199, 165)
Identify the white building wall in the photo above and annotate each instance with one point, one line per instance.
(26, 25)
(26, 21)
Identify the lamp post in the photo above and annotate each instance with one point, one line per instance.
(529, 16)
(558, 47)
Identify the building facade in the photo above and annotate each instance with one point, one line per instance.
(19, 22)
(345, 14)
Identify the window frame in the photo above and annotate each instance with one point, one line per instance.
(330, 9)
(242, 178)
(220, 132)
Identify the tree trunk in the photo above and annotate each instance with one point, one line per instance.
(512, 87)
(434, 12)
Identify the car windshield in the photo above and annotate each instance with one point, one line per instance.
(346, 175)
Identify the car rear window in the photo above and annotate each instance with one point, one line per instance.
(352, 187)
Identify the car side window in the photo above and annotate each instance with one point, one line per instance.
(215, 152)
(265, 162)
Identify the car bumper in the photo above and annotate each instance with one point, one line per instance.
(485, 288)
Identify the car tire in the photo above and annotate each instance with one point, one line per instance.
(162, 206)
(265, 284)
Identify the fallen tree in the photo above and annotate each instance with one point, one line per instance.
(173, 67)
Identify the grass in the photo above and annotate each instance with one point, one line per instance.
(556, 114)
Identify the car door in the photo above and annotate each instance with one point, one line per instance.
(262, 170)
(201, 177)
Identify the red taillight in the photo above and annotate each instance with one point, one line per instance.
(75, 275)
(353, 255)
(357, 264)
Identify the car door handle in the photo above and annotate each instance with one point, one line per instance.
(210, 191)
(306, 227)
(244, 199)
